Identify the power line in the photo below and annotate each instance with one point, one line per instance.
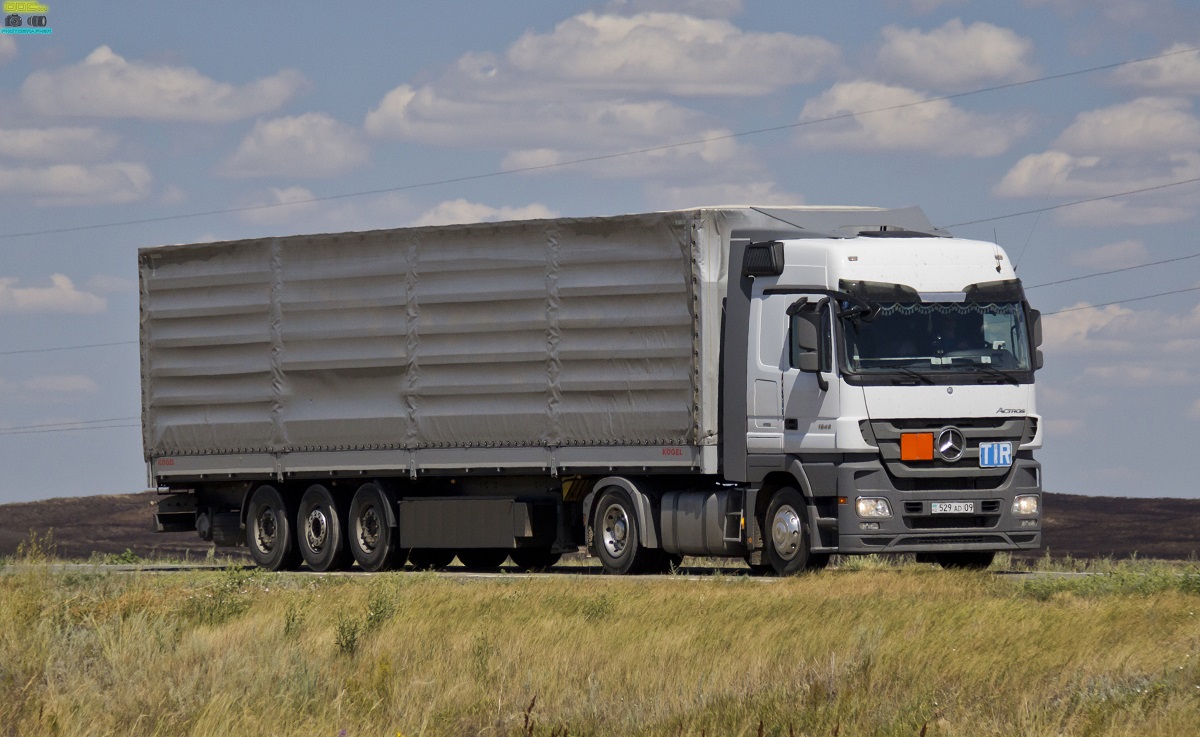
(1076, 202)
(1122, 301)
(67, 348)
(1113, 271)
(67, 425)
(66, 429)
(637, 152)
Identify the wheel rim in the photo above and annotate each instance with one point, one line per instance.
(266, 530)
(366, 529)
(615, 534)
(316, 529)
(785, 532)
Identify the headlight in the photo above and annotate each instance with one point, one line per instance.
(869, 508)
(1025, 506)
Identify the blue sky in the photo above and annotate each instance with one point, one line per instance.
(137, 111)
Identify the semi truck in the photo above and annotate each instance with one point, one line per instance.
(776, 384)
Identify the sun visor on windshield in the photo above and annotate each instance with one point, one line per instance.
(1009, 290)
(880, 292)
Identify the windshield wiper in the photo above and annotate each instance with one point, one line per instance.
(988, 368)
(915, 374)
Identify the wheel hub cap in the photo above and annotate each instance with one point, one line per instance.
(266, 530)
(785, 532)
(616, 531)
(317, 529)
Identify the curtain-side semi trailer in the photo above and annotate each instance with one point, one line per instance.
(777, 384)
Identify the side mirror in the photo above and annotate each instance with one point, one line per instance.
(1035, 327)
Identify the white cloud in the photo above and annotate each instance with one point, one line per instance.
(8, 49)
(1062, 426)
(106, 85)
(74, 184)
(56, 144)
(955, 56)
(597, 84)
(75, 384)
(936, 127)
(298, 214)
(1194, 411)
(670, 52)
(60, 297)
(1147, 124)
(1177, 73)
(699, 8)
(172, 195)
(463, 211)
(1080, 329)
(309, 145)
(660, 196)
(1111, 256)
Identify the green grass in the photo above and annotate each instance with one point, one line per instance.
(888, 648)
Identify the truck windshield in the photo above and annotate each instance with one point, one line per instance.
(938, 337)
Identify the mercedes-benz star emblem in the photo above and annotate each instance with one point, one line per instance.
(951, 444)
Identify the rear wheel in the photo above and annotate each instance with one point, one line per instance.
(482, 559)
(615, 534)
(533, 559)
(787, 538)
(321, 530)
(430, 559)
(969, 560)
(372, 541)
(270, 535)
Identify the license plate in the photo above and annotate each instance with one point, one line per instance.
(995, 455)
(952, 507)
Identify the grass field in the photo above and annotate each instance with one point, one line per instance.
(872, 648)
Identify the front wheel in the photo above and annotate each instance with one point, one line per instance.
(615, 534)
(270, 535)
(787, 539)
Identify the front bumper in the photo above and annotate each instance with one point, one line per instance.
(912, 528)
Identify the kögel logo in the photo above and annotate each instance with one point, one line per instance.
(951, 444)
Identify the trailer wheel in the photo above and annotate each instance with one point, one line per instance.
(372, 541)
(615, 532)
(787, 534)
(533, 559)
(430, 559)
(321, 530)
(967, 560)
(269, 531)
(482, 559)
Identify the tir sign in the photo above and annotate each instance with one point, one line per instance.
(916, 446)
(995, 455)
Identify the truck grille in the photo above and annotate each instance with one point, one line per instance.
(938, 474)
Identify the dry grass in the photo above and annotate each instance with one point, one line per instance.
(886, 649)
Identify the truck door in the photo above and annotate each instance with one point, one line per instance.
(810, 398)
(767, 350)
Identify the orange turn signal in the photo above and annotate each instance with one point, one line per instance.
(916, 446)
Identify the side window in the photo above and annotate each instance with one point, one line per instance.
(825, 351)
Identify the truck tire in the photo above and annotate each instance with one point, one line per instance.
(430, 559)
(967, 560)
(482, 559)
(321, 530)
(372, 541)
(270, 534)
(615, 534)
(787, 538)
(533, 559)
